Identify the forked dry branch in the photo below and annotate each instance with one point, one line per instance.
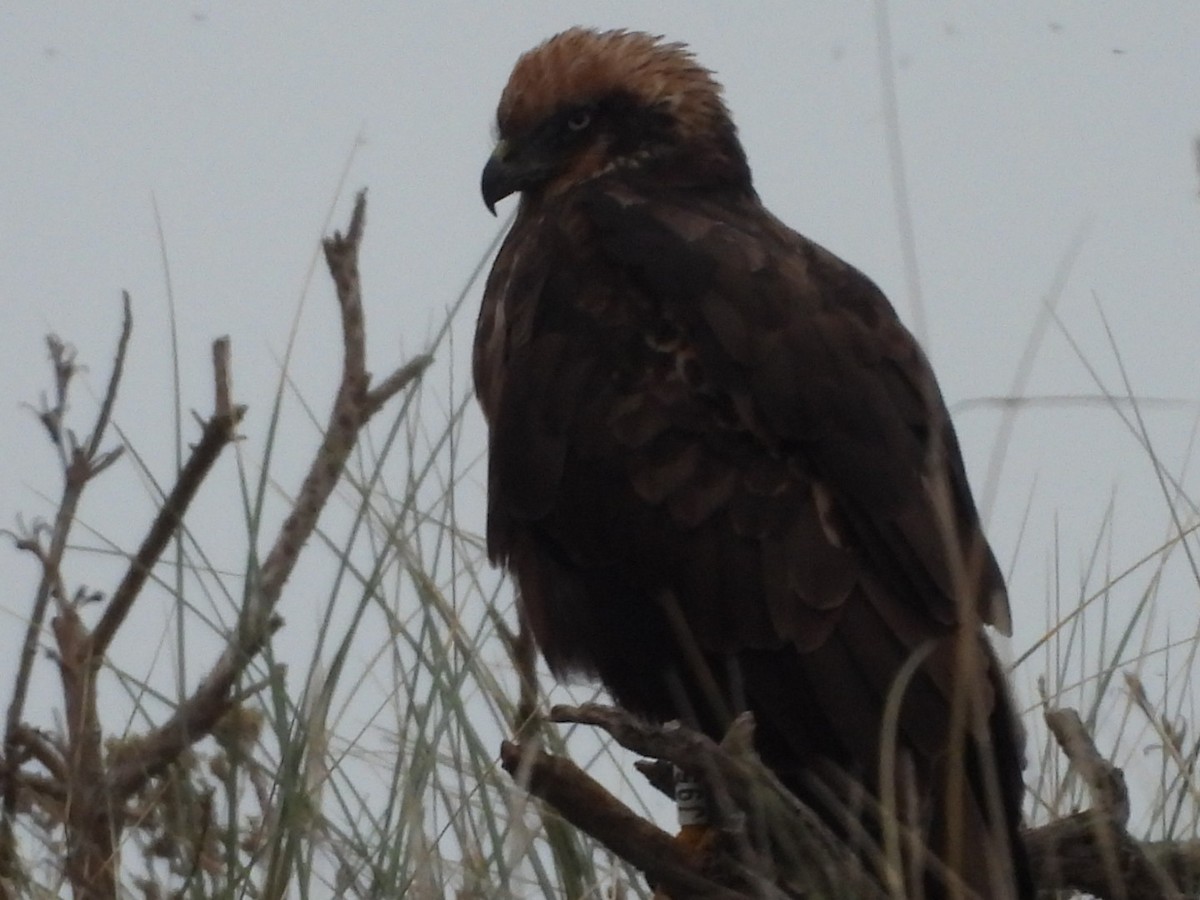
(73, 778)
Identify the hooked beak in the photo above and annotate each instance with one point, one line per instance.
(498, 179)
(506, 173)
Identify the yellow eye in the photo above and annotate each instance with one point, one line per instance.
(579, 120)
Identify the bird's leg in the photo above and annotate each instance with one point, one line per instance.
(691, 804)
(696, 835)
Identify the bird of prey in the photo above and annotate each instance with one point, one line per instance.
(720, 468)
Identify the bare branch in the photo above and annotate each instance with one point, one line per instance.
(93, 789)
(143, 758)
(341, 255)
(1091, 851)
(114, 378)
(52, 415)
(79, 467)
(45, 791)
(352, 408)
(218, 432)
(222, 378)
(589, 807)
(1106, 781)
(34, 744)
(396, 382)
(772, 838)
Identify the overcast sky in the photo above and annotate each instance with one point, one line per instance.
(1027, 129)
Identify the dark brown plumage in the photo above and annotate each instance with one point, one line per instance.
(720, 468)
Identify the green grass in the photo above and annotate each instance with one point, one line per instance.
(362, 759)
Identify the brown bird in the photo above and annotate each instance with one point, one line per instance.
(721, 470)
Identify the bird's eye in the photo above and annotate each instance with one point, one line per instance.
(579, 120)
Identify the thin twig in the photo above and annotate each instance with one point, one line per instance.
(34, 744)
(222, 378)
(95, 789)
(219, 432)
(114, 380)
(396, 382)
(79, 467)
(352, 408)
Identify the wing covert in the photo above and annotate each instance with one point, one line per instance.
(812, 360)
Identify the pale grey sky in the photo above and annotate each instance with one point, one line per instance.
(1025, 127)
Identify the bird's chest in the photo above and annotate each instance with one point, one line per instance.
(649, 382)
(609, 420)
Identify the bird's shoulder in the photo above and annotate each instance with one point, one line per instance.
(811, 342)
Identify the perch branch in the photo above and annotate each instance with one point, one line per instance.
(749, 799)
(1088, 851)
(1091, 850)
(589, 807)
(771, 844)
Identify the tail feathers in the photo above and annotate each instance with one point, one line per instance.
(942, 820)
(964, 853)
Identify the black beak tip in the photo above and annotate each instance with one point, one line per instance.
(497, 180)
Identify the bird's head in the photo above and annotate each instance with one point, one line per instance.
(587, 102)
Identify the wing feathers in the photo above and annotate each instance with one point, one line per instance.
(815, 364)
(693, 402)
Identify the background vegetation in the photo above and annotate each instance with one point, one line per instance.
(371, 768)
